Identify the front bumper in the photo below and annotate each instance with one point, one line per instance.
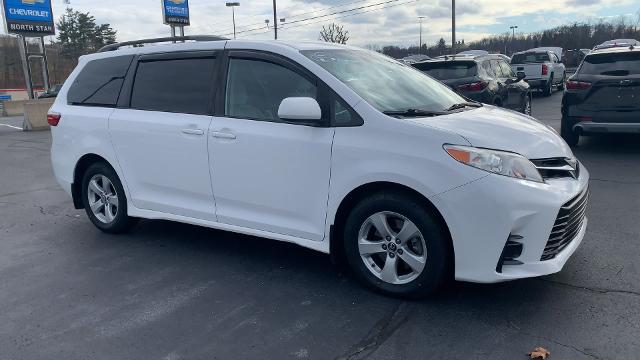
(483, 214)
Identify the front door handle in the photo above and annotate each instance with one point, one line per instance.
(223, 135)
(189, 131)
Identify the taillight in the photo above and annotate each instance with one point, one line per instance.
(476, 86)
(53, 119)
(545, 69)
(577, 85)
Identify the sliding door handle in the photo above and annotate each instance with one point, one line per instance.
(189, 131)
(223, 135)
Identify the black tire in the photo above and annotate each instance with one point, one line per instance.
(548, 89)
(438, 245)
(570, 137)
(121, 221)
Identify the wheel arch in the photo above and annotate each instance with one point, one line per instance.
(354, 196)
(82, 165)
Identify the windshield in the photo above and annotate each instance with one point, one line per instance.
(383, 82)
(447, 70)
(530, 58)
(612, 64)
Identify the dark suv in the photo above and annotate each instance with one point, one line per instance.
(486, 78)
(604, 95)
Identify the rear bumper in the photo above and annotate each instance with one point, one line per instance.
(536, 83)
(594, 127)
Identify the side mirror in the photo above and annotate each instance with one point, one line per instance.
(521, 75)
(304, 110)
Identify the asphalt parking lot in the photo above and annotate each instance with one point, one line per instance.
(174, 291)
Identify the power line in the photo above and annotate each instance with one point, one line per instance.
(292, 16)
(338, 17)
(326, 15)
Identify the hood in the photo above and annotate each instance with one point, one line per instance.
(495, 128)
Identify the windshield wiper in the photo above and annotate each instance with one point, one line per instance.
(464, 105)
(413, 113)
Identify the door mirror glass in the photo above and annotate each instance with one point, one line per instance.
(300, 109)
(521, 75)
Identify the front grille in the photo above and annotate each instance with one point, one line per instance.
(554, 168)
(567, 225)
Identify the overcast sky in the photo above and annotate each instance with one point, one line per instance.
(394, 22)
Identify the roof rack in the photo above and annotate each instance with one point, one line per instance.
(116, 46)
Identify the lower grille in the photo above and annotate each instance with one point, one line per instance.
(567, 225)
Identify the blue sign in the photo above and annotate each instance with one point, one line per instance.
(5, 97)
(29, 17)
(175, 12)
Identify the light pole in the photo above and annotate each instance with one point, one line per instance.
(513, 37)
(232, 5)
(453, 27)
(275, 21)
(420, 19)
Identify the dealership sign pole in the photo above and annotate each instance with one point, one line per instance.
(30, 19)
(175, 13)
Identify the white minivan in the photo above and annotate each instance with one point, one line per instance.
(331, 147)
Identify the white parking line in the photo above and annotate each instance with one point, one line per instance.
(11, 126)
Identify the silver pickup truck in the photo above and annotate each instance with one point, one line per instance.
(542, 67)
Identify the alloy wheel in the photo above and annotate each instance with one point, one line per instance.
(103, 199)
(392, 247)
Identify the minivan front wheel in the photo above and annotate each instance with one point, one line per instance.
(395, 245)
(104, 200)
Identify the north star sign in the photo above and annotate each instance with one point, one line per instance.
(29, 17)
(175, 12)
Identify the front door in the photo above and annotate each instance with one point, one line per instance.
(161, 138)
(269, 174)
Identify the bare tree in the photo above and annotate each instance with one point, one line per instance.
(334, 33)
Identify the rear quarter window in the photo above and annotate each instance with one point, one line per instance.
(447, 70)
(612, 64)
(99, 82)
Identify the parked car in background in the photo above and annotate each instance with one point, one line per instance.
(52, 92)
(487, 78)
(617, 43)
(604, 95)
(386, 169)
(543, 69)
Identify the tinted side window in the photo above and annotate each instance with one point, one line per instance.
(506, 69)
(256, 88)
(99, 82)
(495, 65)
(486, 65)
(174, 85)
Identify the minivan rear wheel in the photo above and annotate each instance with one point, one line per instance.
(104, 199)
(394, 245)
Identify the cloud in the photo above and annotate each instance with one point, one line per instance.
(392, 23)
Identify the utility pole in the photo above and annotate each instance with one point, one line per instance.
(275, 21)
(420, 19)
(453, 27)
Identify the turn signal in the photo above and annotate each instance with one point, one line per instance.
(53, 119)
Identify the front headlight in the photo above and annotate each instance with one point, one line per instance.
(495, 161)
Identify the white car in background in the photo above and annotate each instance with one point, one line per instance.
(384, 167)
(543, 68)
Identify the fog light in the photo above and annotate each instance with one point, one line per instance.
(511, 252)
